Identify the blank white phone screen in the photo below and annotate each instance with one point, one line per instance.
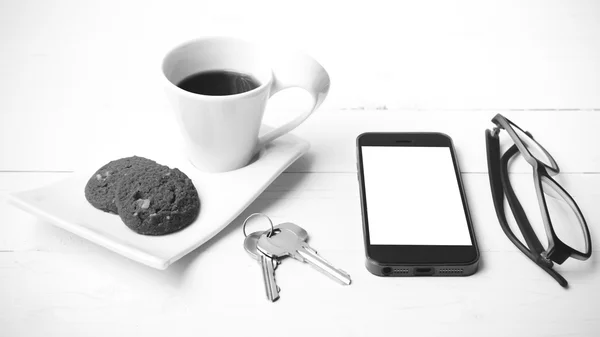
(413, 197)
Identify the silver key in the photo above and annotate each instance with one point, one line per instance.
(268, 265)
(299, 231)
(286, 242)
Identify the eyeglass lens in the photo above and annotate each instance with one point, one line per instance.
(532, 146)
(565, 218)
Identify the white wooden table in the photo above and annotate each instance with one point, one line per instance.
(72, 71)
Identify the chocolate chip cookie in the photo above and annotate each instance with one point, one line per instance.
(157, 200)
(100, 190)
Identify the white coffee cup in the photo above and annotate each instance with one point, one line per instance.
(222, 132)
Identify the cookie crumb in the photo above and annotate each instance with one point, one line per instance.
(143, 203)
(99, 177)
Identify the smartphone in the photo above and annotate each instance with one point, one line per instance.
(416, 220)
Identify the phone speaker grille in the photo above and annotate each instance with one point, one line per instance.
(450, 271)
(400, 271)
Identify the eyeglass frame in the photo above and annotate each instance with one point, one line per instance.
(501, 187)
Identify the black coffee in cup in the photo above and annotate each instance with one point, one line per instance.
(218, 83)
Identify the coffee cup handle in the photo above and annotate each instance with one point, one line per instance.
(297, 71)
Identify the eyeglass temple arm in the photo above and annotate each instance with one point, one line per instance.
(519, 213)
(493, 157)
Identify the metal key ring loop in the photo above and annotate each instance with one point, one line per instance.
(257, 214)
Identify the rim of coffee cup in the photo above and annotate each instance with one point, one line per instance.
(174, 86)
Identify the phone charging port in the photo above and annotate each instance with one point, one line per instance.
(423, 271)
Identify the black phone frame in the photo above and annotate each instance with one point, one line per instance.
(401, 256)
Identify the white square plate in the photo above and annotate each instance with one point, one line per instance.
(223, 197)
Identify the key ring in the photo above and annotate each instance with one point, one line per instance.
(258, 214)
